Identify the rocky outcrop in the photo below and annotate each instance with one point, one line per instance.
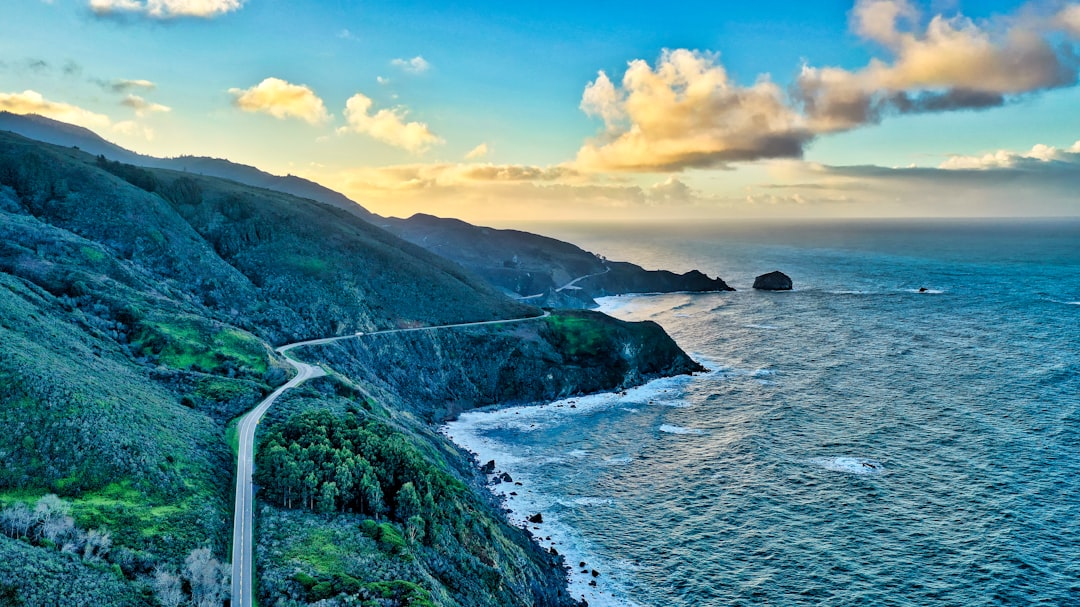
(773, 281)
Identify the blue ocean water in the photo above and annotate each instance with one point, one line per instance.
(856, 442)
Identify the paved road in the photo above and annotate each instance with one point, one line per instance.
(573, 283)
(244, 513)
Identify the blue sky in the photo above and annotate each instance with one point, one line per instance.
(495, 112)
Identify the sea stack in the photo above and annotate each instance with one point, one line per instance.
(773, 281)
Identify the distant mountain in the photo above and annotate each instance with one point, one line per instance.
(543, 270)
(68, 135)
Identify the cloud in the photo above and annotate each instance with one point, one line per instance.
(1042, 181)
(686, 113)
(123, 86)
(1068, 19)
(142, 106)
(32, 102)
(381, 80)
(477, 152)
(387, 125)
(1008, 159)
(282, 100)
(953, 63)
(134, 129)
(416, 65)
(166, 9)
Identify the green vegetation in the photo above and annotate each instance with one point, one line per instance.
(581, 335)
(430, 531)
(192, 344)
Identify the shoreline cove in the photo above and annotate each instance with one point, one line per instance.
(521, 497)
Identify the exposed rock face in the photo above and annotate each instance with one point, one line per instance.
(773, 281)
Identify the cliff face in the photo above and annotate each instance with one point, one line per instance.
(543, 270)
(436, 375)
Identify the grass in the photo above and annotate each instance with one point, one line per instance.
(579, 335)
(232, 436)
(193, 344)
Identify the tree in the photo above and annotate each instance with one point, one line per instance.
(167, 588)
(49, 508)
(328, 497)
(16, 519)
(407, 503)
(207, 577)
(97, 544)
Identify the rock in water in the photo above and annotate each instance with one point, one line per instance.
(536, 518)
(773, 281)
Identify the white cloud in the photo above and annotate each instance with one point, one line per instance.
(142, 106)
(32, 102)
(166, 9)
(477, 152)
(416, 65)
(381, 80)
(282, 100)
(953, 63)
(387, 125)
(1009, 159)
(1068, 19)
(123, 86)
(686, 112)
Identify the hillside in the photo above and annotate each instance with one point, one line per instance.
(40, 128)
(138, 310)
(543, 270)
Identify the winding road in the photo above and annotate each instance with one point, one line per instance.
(244, 513)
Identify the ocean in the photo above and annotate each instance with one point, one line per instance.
(854, 442)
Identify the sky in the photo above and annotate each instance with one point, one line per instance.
(500, 112)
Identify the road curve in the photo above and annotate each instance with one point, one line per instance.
(244, 511)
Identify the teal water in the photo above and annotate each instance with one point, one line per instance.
(856, 442)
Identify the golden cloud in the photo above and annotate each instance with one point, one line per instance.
(477, 152)
(282, 100)
(387, 125)
(32, 102)
(166, 9)
(142, 106)
(686, 112)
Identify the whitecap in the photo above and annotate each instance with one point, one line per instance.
(671, 429)
(849, 465)
(926, 292)
(763, 327)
